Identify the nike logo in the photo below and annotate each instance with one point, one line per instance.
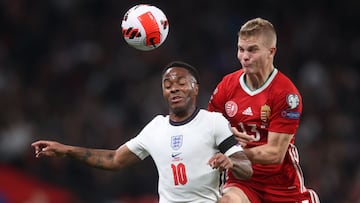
(173, 155)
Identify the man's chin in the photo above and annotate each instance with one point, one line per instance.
(178, 109)
(247, 70)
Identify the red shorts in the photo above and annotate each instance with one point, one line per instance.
(262, 194)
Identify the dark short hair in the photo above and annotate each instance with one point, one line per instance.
(192, 70)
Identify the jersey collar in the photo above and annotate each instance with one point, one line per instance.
(260, 89)
(193, 115)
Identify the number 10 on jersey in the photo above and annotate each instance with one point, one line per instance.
(179, 173)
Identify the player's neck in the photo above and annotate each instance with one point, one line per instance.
(256, 80)
(181, 116)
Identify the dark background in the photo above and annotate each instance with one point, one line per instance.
(66, 74)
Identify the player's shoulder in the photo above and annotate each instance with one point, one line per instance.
(282, 77)
(157, 122)
(205, 112)
(234, 74)
(285, 90)
(158, 119)
(211, 114)
(213, 119)
(284, 81)
(231, 79)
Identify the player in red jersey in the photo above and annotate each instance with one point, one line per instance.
(264, 109)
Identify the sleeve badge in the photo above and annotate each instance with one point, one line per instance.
(292, 100)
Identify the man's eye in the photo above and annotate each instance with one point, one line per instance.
(182, 82)
(253, 49)
(167, 85)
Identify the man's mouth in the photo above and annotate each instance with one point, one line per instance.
(176, 99)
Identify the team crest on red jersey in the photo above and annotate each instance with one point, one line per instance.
(265, 112)
(231, 108)
(292, 100)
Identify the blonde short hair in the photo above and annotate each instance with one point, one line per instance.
(259, 26)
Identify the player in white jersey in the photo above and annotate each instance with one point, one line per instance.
(190, 147)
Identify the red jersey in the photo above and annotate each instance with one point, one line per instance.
(276, 106)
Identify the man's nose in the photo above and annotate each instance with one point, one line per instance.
(174, 88)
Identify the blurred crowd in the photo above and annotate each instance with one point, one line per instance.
(67, 74)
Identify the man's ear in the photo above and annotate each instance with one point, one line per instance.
(196, 88)
(272, 51)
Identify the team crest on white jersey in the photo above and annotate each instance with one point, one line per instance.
(231, 108)
(176, 142)
(292, 100)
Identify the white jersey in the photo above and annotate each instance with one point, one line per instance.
(181, 151)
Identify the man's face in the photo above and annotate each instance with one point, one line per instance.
(253, 53)
(179, 89)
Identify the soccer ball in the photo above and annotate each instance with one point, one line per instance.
(144, 27)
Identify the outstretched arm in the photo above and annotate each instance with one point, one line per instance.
(99, 158)
(238, 163)
(273, 152)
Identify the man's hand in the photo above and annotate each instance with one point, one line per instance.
(242, 137)
(48, 148)
(221, 162)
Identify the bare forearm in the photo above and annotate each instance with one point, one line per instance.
(264, 155)
(98, 158)
(242, 166)
(273, 152)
